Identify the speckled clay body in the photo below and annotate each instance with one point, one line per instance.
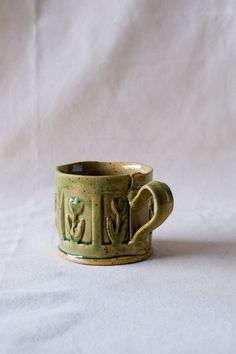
(106, 211)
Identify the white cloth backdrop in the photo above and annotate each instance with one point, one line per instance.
(149, 81)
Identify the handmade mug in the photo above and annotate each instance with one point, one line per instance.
(106, 211)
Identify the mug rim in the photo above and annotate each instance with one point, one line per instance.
(131, 167)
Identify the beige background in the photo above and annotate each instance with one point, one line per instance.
(149, 81)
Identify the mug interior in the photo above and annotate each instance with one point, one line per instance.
(96, 168)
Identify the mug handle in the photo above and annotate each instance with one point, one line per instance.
(163, 203)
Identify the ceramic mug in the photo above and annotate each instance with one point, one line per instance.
(106, 211)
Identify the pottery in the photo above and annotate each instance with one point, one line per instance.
(106, 211)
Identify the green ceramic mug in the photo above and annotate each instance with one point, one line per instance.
(106, 211)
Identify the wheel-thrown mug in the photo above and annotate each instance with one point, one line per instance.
(106, 211)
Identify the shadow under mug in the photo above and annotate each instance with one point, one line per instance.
(106, 211)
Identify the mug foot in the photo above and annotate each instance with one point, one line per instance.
(105, 261)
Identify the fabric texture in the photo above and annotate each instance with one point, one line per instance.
(147, 81)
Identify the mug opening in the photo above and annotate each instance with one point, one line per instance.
(104, 169)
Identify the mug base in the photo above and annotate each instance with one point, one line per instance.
(105, 261)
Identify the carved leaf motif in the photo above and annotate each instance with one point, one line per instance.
(75, 225)
(79, 230)
(110, 228)
(117, 222)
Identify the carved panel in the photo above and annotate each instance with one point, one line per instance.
(117, 223)
(74, 222)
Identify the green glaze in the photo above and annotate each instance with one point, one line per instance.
(106, 211)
